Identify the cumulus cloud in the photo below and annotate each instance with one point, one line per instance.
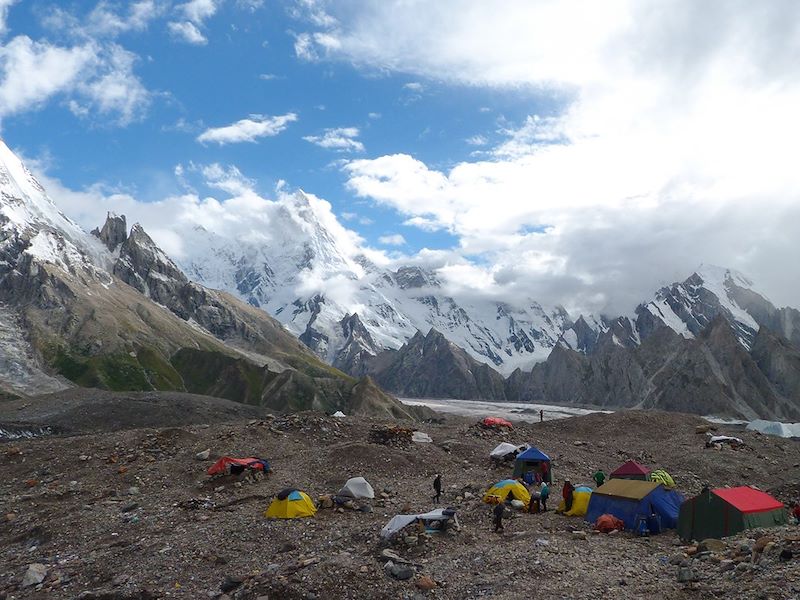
(672, 126)
(341, 139)
(394, 239)
(5, 5)
(248, 130)
(193, 15)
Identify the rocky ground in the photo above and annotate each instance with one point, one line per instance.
(131, 514)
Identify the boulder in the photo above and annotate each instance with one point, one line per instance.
(711, 545)
(34, 575)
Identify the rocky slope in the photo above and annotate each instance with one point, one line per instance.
(131, 514)
(711, 373)
(113, 311)
(430, 366)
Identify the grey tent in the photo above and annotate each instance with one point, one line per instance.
(357, 487)
(399, 522)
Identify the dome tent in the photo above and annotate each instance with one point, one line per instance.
(291, 504)
(631, 470)
(534, 460)
(357, 487)
(508, 487)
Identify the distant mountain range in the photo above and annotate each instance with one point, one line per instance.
(112, 310)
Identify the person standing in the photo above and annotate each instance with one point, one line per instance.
(498, 512)
(437, 487)
(599, 477)
(545, 470)
(541, 416)
(544, 492)
(567, 493)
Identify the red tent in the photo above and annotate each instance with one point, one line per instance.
(631, 470)
(747, 499)
(496, 422)
(237, 465)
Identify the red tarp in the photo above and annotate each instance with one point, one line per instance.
(222, 465)
(631, 468)
(496, 422)
(748, 500)
(608, 523)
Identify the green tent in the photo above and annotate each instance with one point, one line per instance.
(727, 511)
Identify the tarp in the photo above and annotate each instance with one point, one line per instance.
(502, 489)
(400, 522)
(357, 487)
(662, 477)
(608, 523)
(503, 449)
(629, 499)
(420, 437)
(631, 469)
(496, 422)
(228, 464)
(712, 513)
(291, 504)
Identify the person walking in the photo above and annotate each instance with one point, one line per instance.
(498, 513)
(599, 477)
(544, 493)
(437, 487)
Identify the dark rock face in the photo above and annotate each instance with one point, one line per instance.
(712, 374)
(358, 349)
(114, 231)
(431, 366)
(415, 277)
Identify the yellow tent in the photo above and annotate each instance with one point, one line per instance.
(580, 502)
(291, 504)
(500, 491)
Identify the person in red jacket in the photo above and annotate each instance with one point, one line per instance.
(567, 494)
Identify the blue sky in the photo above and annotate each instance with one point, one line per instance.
(248, 66)
(523, 153)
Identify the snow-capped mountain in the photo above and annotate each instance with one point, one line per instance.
(303, 270)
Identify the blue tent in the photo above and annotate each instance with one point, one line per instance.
(533, 459)
(628, 499)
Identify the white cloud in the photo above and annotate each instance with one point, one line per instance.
(392, 240)
(32, 72)
(188, 32)
(5, 6)
(193, 16)
(673, 125)
(477, 140)
(342, 139)
(248, 130)
(268, 76)
(304, 47)
(414, 86)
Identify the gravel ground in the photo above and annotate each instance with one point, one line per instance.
(131, 515)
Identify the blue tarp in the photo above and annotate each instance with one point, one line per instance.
(665, 503)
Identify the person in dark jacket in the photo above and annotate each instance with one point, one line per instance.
(498, 512)
(567, 494)
(437, 487)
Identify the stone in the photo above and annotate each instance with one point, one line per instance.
(711, 545)
(34, 575)
(203, 455)
(133, 490)
(685, 575)
(401, 572)
(762, 542)
(742, 567)
(727, 565)
(129, 507)
(579, 535)
(425, 583)
(231, 583)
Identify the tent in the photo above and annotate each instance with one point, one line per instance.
(727, 511)
(534, 460)
(629, 499)
(631, 470)
(234, 466)
(291, 504)
(502, 489)
(399, 522)
(580, 502)
(357, 487)
(338, 414)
